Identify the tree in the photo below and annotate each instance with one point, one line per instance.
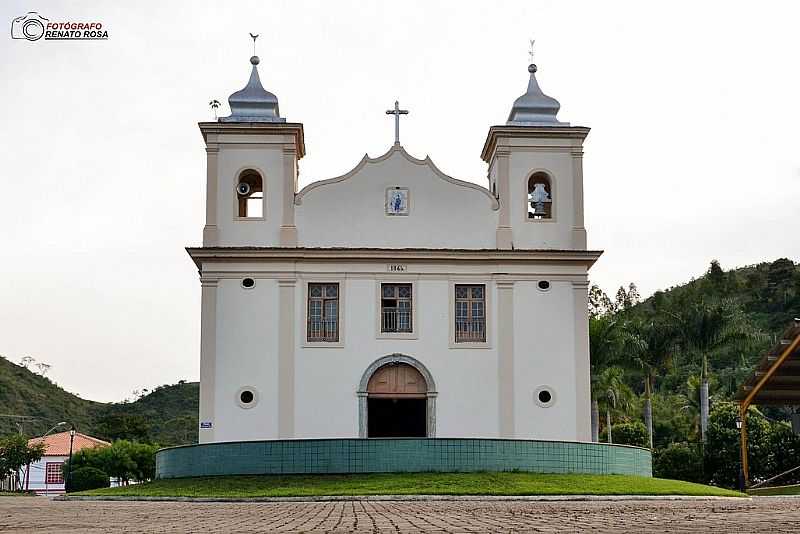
(599, 303)
(716, 275)
(612, 394)
(116, 426)
(15, 452)
(633, 295)
(621, 301)
(780, 282)
(608, 339)
(123, 460)
(656, 341)
(703, 329)
(722, 456)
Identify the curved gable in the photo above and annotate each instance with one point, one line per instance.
(350, 210)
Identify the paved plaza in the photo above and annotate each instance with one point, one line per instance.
(38, 514)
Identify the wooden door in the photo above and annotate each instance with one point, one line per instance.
(397, 380)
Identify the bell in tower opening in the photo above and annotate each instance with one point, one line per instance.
(540, 200)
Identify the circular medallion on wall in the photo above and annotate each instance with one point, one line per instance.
(544, 396)
(247, 397)
(248, 283)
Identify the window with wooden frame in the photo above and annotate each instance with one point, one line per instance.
(53, 473)
(396, 302)
(470, 313)
(323, 312)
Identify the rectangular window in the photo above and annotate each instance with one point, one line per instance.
(52, 473)
(396, 308)
(470, 313)
(323, 312)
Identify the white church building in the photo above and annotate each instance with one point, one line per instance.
(394, 300)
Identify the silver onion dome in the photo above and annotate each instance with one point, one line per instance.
(534, 108)
(253, 103)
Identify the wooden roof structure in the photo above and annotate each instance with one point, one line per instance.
(775, 381)
(776, 378)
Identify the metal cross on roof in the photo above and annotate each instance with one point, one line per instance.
(397, 112)
(530, 50)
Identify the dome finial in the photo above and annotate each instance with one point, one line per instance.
(534, 108)
(253, 103)
(530, 54)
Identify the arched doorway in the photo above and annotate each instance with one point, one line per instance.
(397, 398)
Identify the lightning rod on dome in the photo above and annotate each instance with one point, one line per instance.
(530, 50)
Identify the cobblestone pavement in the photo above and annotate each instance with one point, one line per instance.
(36, 514)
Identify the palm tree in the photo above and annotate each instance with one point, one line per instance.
(606, 339)
(612, 394)
(656, 341)
(214, 105)
(705, 328)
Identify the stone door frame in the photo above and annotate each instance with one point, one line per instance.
(396, 359)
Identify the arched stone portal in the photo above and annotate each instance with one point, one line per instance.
(400, 394)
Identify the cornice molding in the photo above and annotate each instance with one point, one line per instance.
(389, 153)
(234, 254)
(259, 128)
(530, 132)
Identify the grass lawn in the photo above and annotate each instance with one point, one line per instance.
(413, 484)
(777, 490)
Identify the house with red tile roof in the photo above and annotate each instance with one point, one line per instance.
(45, 477)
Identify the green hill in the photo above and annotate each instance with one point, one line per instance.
(722, 322)
(761, 300)
(167, 415)
(23, 392)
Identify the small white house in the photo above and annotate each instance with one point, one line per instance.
(45, 476)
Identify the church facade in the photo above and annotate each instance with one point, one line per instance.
(394, 300)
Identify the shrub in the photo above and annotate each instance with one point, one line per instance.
(87, 478)
(633, 433)
(679, 461)
(123, 460)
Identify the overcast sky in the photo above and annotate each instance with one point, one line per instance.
(693, 153)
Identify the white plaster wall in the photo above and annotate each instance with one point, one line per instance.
(37, 476)
(544, 355)
(327, 378)
(247, 355)
(351, 212)
(268, 159)
(542, 234)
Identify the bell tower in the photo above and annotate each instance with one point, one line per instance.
(252, 159)
(536, 171)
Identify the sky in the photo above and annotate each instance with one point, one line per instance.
(693, 153)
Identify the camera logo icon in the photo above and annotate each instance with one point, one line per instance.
(29, 26)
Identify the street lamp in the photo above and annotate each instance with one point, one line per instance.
(69, 468)
(741, 451)
(62, 423)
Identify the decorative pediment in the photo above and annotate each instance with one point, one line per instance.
(396, 151)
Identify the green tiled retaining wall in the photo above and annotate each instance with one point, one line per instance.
(399, 455)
